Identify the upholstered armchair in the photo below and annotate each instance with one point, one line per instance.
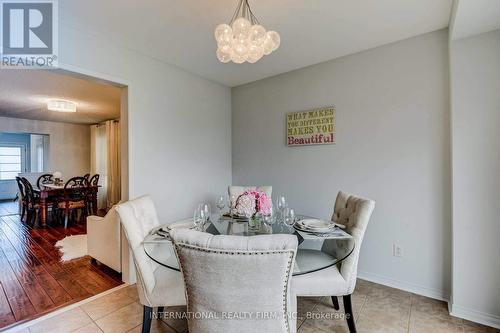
(157, 286)
(354, 213)
(235, 191)
(236, 275)
(104, 239)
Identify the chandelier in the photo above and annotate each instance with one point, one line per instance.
(244, 39)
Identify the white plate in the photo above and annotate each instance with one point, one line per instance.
(314, 230)
(316, 224)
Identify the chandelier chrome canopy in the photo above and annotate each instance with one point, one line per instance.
(244, 39)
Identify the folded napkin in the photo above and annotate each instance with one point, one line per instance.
(183, 224)
(335, 234)
(164, 231)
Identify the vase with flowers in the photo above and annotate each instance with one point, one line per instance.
(251, 204)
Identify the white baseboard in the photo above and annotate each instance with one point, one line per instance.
(455, 310)
(475, 316)
(406, 286)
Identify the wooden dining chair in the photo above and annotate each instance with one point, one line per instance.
(44, 180)
(32, 202)
(75, 197)
(87, 176)
(94, 181)
(22, 199)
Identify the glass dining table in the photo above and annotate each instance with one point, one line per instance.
(315, 251)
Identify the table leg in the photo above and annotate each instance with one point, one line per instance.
(43, 208)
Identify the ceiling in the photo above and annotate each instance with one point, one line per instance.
(313, 31)
(474, 17)
(24, 94)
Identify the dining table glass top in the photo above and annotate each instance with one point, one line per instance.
(315, 251)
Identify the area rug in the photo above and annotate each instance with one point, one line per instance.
(72, 247)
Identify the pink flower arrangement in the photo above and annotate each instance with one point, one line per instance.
(252, 202)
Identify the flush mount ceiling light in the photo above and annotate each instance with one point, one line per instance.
(60, 105)
(244, 39)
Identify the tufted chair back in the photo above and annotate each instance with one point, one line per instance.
(354, 213)
(138, 218)
(236, 191)
(235, 274)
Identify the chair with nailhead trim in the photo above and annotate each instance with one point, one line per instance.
(353, 212)
(236, 283)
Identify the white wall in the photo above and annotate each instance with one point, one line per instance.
(179, 123)
(392, 146)
(476, 177)
(69, 148)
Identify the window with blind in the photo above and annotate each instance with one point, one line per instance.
(10, 162)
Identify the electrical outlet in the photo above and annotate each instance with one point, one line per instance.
(397, 251)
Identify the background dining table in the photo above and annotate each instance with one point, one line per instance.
(49, 191)
(315, 251)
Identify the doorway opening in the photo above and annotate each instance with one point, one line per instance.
(59, 243)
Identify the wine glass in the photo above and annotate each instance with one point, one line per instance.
(269, 218)
(281, 204)
(292, 216)
(207, 210)
(220, 203)
(289, 216)
(199, 217)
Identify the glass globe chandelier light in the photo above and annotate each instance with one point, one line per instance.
(244, 39)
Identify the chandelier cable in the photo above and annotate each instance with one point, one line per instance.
(236, 12)
(243, 10)
(252, 16)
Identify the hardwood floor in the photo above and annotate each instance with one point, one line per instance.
(33, 280)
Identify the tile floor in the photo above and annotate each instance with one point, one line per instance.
(376, 308)
(9, 208)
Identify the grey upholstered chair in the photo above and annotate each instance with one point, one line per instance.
(227, 275)
(157, 286)
(354, 213)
